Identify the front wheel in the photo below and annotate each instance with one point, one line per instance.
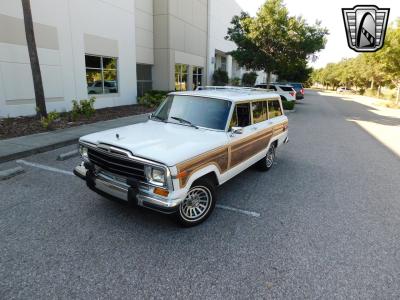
(198, 204)
(267, 162)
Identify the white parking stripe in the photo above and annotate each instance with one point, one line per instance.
(51, 169)
(238, 210)
(43, 167)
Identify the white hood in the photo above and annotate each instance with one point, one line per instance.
(166, 143)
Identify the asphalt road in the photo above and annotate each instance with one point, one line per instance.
(329, 226)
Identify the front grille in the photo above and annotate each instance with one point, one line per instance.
(117, 164)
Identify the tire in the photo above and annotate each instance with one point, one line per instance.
(198, 204)
(267, 162)
(283, 98)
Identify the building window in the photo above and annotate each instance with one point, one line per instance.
(181, 77)
(223, 63)
(101, 74)
(144, 79)
(197, 77)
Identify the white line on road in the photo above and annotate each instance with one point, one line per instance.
(43, 167)
(51, 169)
(238, 210)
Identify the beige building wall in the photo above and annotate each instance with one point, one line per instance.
(180, 37)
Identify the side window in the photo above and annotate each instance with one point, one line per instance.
(241, 115)
(272, 87)
(234, 120)
(259, 111)
(274, 109)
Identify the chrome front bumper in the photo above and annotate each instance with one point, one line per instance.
(141, 194)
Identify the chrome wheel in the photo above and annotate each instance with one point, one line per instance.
(196, 204)
(270, 156)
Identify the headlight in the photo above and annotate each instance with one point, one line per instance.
(83, 151)
(155, 176)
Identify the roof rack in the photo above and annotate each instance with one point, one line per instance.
(233, 88)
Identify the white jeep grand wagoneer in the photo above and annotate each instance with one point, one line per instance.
(194, 142)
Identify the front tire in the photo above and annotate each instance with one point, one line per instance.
(198, 204)
(267, 162)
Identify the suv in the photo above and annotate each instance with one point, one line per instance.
(286, 92)
(194, 142)
(298, 87)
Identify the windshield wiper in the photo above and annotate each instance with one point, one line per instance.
(185, 121)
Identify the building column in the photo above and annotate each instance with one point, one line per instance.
(229, 65)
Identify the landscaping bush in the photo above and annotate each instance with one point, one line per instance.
(220, 78)
(288, 105)
(49, 120)
(249, 79)
(153, 98)
(235, 81)
(84, 107)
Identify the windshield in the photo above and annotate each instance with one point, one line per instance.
(197, 111)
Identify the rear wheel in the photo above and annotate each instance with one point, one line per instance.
(267, 162)
(198, 204)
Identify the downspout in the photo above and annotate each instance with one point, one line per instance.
(208, 58)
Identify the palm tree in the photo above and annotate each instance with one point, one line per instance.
(33, 56)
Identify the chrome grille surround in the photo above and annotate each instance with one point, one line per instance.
(121, 162)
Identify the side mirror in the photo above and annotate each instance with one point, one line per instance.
(150, 116)
(237, 130)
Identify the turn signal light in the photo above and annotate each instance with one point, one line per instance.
(161, 192)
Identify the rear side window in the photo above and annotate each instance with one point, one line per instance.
(274, 109)
(286, 88)
(259, 111)
(241, 116)
(272, 87)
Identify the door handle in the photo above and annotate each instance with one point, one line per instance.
(254, 128)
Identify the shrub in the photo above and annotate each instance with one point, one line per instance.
(249, 79)
(288, 105)
(153, 98)
(48, 121)
(83, 107)
(220, 77)
(235, 81)
(361, 91)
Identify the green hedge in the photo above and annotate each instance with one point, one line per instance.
(288, 105)
(153, 98)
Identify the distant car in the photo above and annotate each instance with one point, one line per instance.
(344, 89)
(299, 88)
(286, 92)
(110, 86)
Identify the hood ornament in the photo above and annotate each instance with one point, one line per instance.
(117, 136)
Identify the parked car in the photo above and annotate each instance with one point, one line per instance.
(194, 142)
(299, 88)
(344, 89)
(110, 86)
(286, 92)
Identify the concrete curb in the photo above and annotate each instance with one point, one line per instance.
(20, 147)
(68, 155)
(290, 111)
(38, 150)
(7, 174)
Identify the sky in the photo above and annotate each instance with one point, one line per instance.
(330, 14)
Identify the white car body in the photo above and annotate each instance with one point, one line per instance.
(288, 95)
(179, 149)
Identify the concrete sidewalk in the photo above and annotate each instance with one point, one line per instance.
(19, 147)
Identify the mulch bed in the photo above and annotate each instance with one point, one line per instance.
(20, 126)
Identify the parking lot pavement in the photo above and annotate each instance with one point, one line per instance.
(327, 226)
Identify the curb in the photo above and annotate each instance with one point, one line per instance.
(7, 174)
(290, 111)
(38, 150)
(68, 140)
(67, 155)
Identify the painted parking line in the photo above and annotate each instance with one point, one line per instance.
(44, 167)
(238, 210)
(51, 169)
